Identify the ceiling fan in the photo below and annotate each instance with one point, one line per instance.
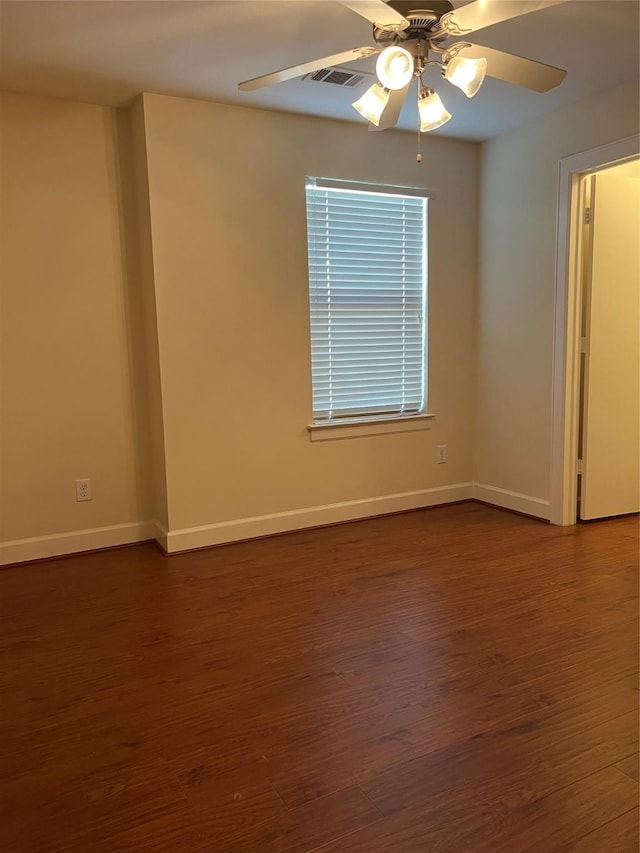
(409, 39)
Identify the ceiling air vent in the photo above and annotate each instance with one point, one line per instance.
(336, 76)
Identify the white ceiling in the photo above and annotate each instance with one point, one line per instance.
(107, 52)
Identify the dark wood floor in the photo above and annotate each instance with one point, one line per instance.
(458, 679)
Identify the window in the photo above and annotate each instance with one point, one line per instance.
(367, 249)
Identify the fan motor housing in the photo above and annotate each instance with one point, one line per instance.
(408, 8)
(423, 22)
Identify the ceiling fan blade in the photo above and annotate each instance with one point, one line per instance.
(391, 113)
(485, 13)
(379, 13)
(306, 68)
(516, 69)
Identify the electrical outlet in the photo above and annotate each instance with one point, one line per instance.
(83, 490)
(442, 453)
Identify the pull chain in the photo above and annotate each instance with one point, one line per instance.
(420, 85)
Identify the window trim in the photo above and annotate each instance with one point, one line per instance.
(376, 189)
(360, 427)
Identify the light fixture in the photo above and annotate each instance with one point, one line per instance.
(394, 67)
(433, 112)
(466, 74)
(397, 67)
(373, 102)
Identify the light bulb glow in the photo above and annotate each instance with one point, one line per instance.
(372, 103)
(466, 74)
(394, 67)
(433, 112)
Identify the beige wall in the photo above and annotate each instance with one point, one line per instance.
(226, 188)
(67, 396)
(138, 245)
(519, 187)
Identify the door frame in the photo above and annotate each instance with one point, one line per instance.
(565, 411)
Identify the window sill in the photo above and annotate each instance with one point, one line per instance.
(359, 427)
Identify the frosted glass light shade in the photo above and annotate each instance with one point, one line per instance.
(394, 67)
(433, 112)
(466, 74)
(372, 103)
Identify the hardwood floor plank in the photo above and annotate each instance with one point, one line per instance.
(629, 766)
(96, 826)
(619, 835)
(517, 741)
(509, 768)
(561, 818)
(307, 827)
(236, 799)
(443, 820)
(220, 813)
(38, 793)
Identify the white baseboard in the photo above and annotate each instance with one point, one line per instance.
(159, 533)
(58, 544)
(512, 500)
(174, 541)
(283, 522)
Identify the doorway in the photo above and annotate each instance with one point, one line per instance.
(572, 254)
(609, 428)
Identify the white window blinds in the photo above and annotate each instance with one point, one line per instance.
(367, 294)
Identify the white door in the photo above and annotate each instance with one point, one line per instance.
(611, 422)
